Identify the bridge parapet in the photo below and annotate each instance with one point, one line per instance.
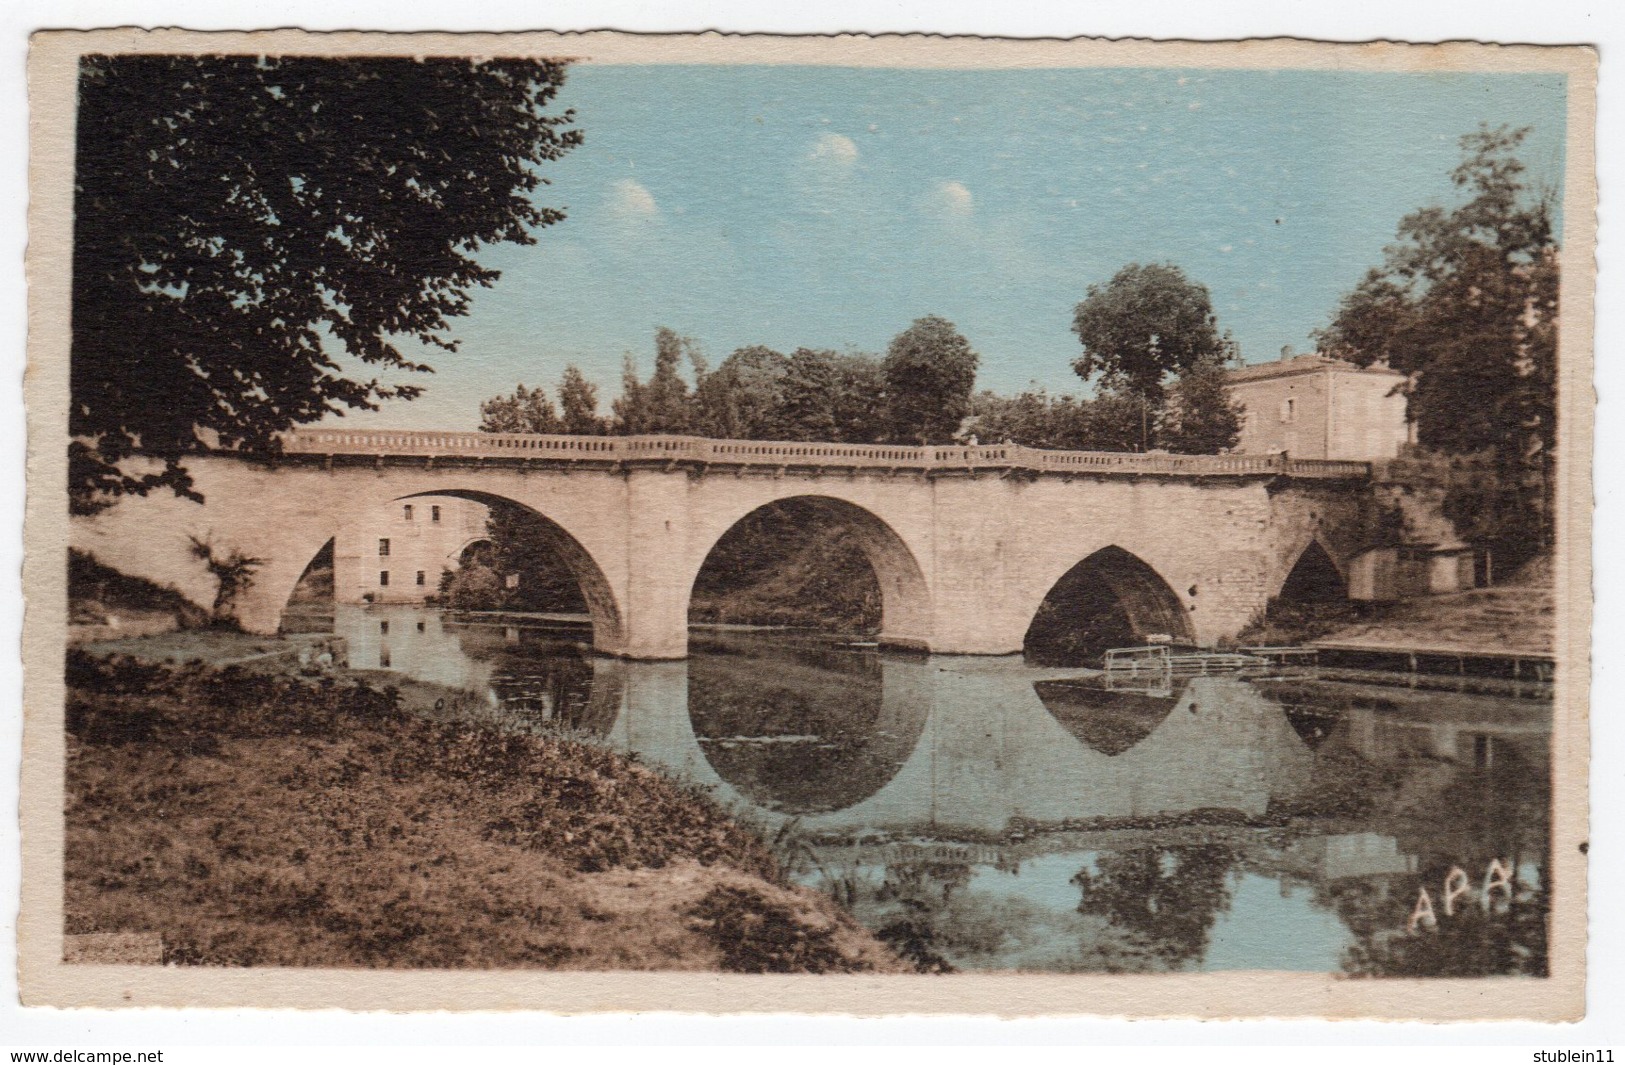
(611, 450)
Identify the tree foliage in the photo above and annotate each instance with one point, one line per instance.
(528, 410)
(233, 573)
(251, 231)
(1201, 418)
(661, 404)
(740, 399)
(930, 372)
(525, 411)
(578, 404)
(1466, 303)
(1037, 419)
(761, 394)
(1146, 324)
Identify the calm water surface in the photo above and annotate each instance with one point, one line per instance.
(987, 814)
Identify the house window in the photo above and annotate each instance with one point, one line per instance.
(383, 628)
(407, 511)
(383, 658)
(423, 578)
(383, 547)
(1289, 410)
(383, 578)
(423, 627)
(434, 514)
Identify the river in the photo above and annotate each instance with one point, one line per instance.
(984, 813)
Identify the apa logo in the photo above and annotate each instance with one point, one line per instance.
(1497, 878)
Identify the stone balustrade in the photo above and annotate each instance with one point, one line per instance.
(611, 450)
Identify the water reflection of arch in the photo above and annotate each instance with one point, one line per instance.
(523, 675)
(989, 753)
(821, 729)
(544, 679)
(1220, 745)
(410, 640)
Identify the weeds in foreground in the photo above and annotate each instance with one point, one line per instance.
(758, 935)
(254, 819)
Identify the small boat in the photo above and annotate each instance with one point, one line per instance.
(1176, 661)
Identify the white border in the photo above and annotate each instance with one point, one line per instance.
(1549, 21)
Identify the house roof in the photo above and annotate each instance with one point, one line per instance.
(1302, 364)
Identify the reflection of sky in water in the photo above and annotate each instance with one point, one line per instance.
(908, 778)
(1269, 926)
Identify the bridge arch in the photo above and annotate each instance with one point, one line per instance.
(602, 607)
(905, 595)
(1110, 598)
(274, 585)
(1313, 576)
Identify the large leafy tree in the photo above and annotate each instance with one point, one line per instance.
(250, 232)
(1465, 303)
(930, 371)
(1145, 325)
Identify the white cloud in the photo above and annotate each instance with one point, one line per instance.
(631, 200)
(954, 199)
(834, 148)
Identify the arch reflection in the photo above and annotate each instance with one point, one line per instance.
(1105, 720)
(801, 727)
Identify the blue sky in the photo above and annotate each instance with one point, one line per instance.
(830, 207)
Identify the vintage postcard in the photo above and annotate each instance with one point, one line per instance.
(856, 524)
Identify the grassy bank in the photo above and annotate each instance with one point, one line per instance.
(251, 819)
(1518, 615)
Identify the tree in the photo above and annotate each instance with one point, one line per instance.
(1201, 418)
(930, 371)
(741, 399)
(662, 404)
(859, 379)
(1147, 323)
(1466, 304)
(242, 223)
(233, 573)
(578, 404)
(525, 411)
(1167, 898)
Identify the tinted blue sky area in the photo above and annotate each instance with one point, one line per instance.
(830, 207)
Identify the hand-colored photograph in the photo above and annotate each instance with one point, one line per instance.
(587, 506)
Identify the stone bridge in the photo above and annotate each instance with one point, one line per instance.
(966, 541)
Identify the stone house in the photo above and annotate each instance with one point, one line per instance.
(1317, 407)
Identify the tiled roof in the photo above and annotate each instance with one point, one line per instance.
(1297, 365)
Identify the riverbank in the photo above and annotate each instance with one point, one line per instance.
(1511, 620)
(237, 817)
(1517, 617)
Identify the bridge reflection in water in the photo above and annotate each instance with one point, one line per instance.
(983, 813)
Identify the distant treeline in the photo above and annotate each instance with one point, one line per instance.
(922, 391)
